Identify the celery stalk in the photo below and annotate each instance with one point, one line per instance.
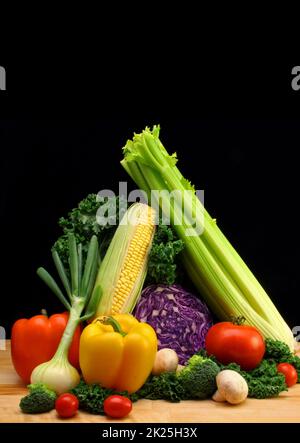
(217, 270)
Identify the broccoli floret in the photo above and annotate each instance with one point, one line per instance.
(40, 399)
(198, 378)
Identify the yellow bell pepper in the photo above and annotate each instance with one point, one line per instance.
(117, 352)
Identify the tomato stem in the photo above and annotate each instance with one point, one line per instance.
(239, 320)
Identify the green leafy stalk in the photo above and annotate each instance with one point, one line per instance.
(222, 277)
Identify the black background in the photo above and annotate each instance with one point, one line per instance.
(235, 130)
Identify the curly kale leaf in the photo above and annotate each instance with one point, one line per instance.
(163, 266)
(82, 222)
(265, 386)
(276, 350)
(162, 387)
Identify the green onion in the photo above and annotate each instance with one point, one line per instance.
(219, 273)
(58, 374)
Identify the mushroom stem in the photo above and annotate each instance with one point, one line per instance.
(218, 397)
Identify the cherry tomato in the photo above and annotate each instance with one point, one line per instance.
(117, 406)
(289, 372)
(237, 343)
(66, 405)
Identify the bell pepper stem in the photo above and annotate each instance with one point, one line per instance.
(114, 323)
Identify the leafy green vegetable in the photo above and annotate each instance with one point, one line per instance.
(281, 353)
(163, 265)
(82, 222)
(276, 350)
(165, 386)
(40, 399)
(91, 397)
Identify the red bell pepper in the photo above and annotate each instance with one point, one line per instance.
(35, 340)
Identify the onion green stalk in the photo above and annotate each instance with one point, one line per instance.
(81, 301)
(219, 273)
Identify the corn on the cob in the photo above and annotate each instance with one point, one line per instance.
(124, 267)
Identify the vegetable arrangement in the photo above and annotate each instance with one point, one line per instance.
(131, 329)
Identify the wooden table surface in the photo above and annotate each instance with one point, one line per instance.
(285, 408)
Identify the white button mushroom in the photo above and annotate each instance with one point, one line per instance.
(232, 387)
(166, 360)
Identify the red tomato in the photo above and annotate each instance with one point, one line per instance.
(240, 344)
(66, 405)
(289, 372)
(117, 406)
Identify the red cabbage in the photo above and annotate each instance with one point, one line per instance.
(180, 319)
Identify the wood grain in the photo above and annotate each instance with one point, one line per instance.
(285, 408)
